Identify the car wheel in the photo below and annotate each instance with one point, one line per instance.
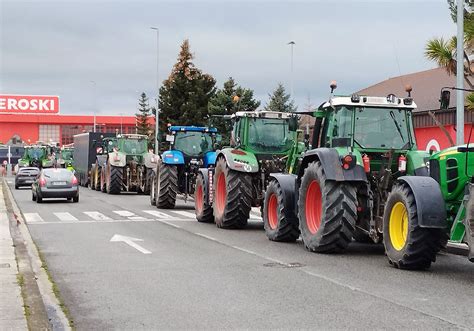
(75, 199)
(17, 187)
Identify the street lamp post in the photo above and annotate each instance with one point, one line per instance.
(292, 44)
(94, 102)
(460, 75)
(157, 112)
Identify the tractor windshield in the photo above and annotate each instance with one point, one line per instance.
(269, 135)
(134, 146)
(193, 143)
(36, 153)
(66, 154)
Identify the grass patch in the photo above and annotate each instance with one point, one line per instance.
(55, 289)
(20, 279)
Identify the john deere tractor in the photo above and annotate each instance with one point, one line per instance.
(191, 148)
(65, 157)
(262, 142)
(36, 156)
(129, 165)
(361, 146)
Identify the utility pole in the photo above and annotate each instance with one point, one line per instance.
(292, 44)
(460, 74)
(94, 102)
(157, 110)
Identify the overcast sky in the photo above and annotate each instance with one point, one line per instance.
(59, 47)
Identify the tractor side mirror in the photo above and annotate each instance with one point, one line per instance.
(444, 99)
(170, 138)
(293, 124)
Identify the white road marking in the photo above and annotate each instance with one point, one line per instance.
(158, 214)
(205, 236)
(95, 215)
(169, 223)
(185, 213)
(124, 213)
(131, 242)
(65, 217)
(32, 218)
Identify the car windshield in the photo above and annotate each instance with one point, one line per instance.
(268, 135)
(36, 152)
(134, 146)
(382, 128)
(28, 171)
(193, 143)
(66, 154)
(57, 173)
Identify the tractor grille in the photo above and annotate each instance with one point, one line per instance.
(452, 174)
(434, 170)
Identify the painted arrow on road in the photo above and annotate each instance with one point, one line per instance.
(131, 242)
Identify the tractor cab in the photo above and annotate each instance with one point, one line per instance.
(36, 156)
(65, 157)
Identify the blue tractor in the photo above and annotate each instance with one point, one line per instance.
(191, 148)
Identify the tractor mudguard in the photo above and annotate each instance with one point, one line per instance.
(150, 160)
(117, 159)
(172, 157)
(207, 183)
(430, 204)
(240, 160)
(209, 159)
(287, 184)
(331, 162)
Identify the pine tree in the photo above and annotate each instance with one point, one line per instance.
(142, 125)
(185, 94)
(228, 100)
(280, 101)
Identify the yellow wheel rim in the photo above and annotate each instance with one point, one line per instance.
(398, 226)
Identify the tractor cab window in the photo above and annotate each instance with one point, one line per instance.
(340, 130)
(383, 128)
(267, 135)
(36, 153)
(66, 154)
(193, 143)
(134, 146)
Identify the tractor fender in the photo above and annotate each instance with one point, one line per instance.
(150, 160)
(331, 163)
(239, 160)
(209, 159)
(172, 157)
(117, 159)
(430, 204)
(288, 185)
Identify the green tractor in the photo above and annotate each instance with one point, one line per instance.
(97, 177)
(361, 146)
(262, 142)
(36, 156)
(129, 166)
(65, 157)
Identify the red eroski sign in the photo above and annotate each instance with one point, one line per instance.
(29, 104)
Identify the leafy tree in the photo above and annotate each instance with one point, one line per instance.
(228, 100)
(185, 94)
(280, 101)
(142, 125)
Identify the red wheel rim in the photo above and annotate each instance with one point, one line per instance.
(313, 206)
(272, 212)
(199, 199)
(221, 193)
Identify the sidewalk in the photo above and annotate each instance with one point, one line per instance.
(12, 316)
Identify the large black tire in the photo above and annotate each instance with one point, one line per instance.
(96, 182)
(204, 212)
(232, 197)
(327, 211)
(277, 226)
(153, 190)
(103, 181)
(114, 183)
(93, 177)
(167, 187)
(407, 245)
(149, 175)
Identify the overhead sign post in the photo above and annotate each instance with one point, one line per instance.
(29, 104)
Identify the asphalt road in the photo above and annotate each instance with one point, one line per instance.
(188, 275)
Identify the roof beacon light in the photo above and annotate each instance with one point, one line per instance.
(333, 85)
(408, 89)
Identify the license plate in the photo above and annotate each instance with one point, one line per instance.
(59, 183)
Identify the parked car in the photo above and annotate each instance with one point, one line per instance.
(26, 176)
(55, 183)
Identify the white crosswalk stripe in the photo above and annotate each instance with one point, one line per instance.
(95, 215)
(185, 213)
(65, 216)
(158, 214)
(33, 218)
(124, 213)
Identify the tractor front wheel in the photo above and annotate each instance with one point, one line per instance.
(167, 186)
(233, 197)
(407, 245)
(153, 190)
(202, 207)
(114, 182)
(327, 211)
(277, 227)
(103, 182)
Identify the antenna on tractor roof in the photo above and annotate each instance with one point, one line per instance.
(333, 86)
(408, 89)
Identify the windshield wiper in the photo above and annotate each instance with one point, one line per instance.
(392, 115)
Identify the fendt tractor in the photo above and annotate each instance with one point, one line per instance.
(361, 144)
(129, 166)
(105, 146)
(191, 148)
(262, 142)
(37, 155)
(65, 157)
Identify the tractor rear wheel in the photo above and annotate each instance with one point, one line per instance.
(327, 211)
(153, 190)
(96, 182)
(277, 227)
(233, 197)
(203, 209)
(167, 187)
(93, 177)
(148, 177)
(114, 183)
(407, 245)
(103, 182)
